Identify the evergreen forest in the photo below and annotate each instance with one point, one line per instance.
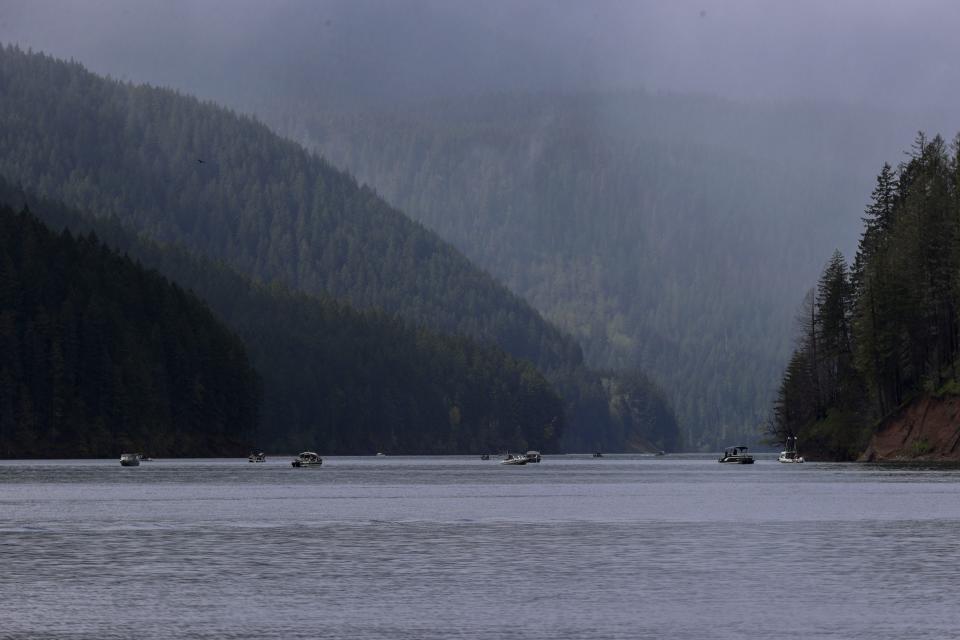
(876, 333)
(196, 176)
(664, 233)
(101, 355)
(345, 381)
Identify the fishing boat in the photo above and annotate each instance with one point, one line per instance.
(130, 459)
(257, 456)
(514, 458)
(790, 453)
(307, 459)
(736, 455)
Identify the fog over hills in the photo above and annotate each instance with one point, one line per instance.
(664, 180)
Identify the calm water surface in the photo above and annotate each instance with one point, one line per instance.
(453, 547)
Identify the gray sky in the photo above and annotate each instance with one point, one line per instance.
(898, 55)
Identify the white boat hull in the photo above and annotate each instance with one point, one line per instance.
(790, 455)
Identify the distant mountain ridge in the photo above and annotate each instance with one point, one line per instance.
(670, 233)
(226, 187)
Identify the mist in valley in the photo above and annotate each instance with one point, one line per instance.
(663, 180)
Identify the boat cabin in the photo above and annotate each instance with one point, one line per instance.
(790, 453)
(130, 459)
(307, 459)
(736, 455)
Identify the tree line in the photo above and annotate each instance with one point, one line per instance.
(879, 331)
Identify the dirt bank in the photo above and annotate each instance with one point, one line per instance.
(927, 428)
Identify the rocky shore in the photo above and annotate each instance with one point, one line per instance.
(926, 429)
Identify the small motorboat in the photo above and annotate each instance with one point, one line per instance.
(129, 459)
(736, 455)
(790, 454)
(485, 456)
(597, 454)
(307, 459)
(257, 456)
(514, 458)
(533, 456)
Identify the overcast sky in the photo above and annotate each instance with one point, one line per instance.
(900, 55)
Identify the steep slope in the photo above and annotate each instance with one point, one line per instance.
(290, 62)
(101, 355)
(345, 381)
(924, 429)
(226, 186)
(673, 233)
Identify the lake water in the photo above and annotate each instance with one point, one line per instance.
(454, 547)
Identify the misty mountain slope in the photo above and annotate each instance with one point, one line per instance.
(333, 378)
(657, 239)
(226, 187)
(289, 62)
(198, 175)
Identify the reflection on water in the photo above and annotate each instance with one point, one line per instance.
(620, 547)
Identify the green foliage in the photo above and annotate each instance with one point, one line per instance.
(920, 447)
(841, 435)
(101, 355)
(950, 388)
(191, 174)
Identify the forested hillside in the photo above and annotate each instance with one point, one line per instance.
(345, 381)
(668, 217)
(224, 186)
(668, 233)
(101, 356)
(877, 333)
